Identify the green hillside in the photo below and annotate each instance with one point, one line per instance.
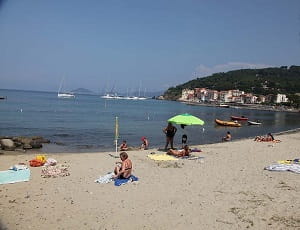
(265, 81)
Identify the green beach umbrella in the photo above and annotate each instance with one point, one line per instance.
(186, 119)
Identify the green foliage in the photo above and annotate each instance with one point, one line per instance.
(257, 81)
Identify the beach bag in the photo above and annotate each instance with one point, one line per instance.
(35, 163)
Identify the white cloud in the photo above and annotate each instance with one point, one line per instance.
(203, 71)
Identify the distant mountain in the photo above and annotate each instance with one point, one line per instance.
(83, 91)
(264, 81)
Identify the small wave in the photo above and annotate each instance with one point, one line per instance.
(62, 135)
(82, 146)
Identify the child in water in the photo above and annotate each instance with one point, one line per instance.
(145, 143)
(123, 146)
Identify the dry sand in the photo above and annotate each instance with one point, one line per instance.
(228, 190)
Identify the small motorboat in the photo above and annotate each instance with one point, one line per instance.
(223, 105)
(228, 123)
(254, 123)
(242, 118)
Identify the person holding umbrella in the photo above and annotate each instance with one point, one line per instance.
(170, 132)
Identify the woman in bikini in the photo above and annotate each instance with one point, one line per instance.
(124, 168)
(180, 153)
(170, 131)
(269, 137)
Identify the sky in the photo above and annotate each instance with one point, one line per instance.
(135, 44)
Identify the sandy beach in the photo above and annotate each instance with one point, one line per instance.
(227, 189)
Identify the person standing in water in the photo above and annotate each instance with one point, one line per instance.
(170, 131)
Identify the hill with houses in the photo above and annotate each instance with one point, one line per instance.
(276, 84)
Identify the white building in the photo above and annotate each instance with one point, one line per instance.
(187, 95)
(281, 98)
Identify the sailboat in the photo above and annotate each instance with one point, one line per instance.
(64, 94)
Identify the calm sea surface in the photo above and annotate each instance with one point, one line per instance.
(87, 123)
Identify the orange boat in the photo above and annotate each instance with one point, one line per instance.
(228, 123)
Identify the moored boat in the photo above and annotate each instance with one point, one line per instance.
(223, 105)
(228, 123)
(241, 118)
(254, 123)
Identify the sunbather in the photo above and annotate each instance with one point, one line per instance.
(124, 168)
(180, 153)
(269, 137)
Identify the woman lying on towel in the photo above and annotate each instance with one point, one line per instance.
(124, 168)
(267, 138)
(180, 153)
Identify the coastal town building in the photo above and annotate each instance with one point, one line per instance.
(229, 96)
(280, 98)
(187, 95)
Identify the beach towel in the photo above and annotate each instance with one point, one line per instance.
(13, 176)
(196, 150)
(119, 181)
(162, 157)
(295, 161)
(105, 179)
(284, 167)
(274, 141)
(55, 171)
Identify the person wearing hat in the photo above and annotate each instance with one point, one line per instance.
(145, 143)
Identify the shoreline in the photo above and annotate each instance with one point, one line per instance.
(43, 151)
(227, 188)
(245, 106)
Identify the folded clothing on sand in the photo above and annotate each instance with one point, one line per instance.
(13, 176)
(284, 167)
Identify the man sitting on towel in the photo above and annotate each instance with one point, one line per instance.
(124, 168)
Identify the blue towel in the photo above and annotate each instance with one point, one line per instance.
(119, 181)
(12, 176)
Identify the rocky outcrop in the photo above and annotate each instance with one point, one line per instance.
(21, 142)
(7, 144)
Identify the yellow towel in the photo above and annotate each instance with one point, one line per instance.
(285, 162)
(162, 157)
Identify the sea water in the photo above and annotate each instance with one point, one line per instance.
(86, 123)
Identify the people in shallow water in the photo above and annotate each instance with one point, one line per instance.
(227, 137)
(123, 146)
(145, 143)
(269, 137)
(180, 153)
(124, 168)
